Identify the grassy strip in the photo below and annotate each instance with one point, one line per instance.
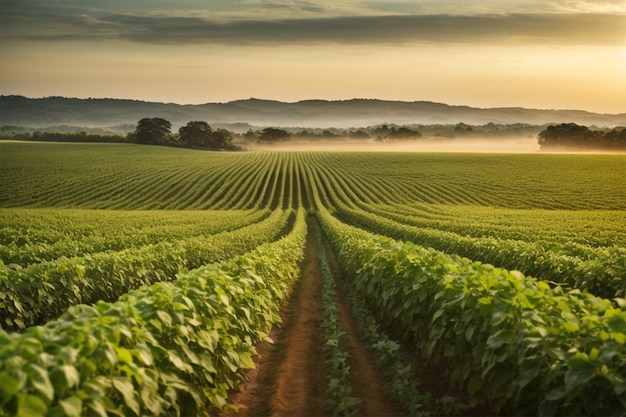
(339, 402)
(173, 348)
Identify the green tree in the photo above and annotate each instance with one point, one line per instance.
(250, 135)
(196, 134)
(615, 139)
(403, 133)
(271, 134)
(566, 135)
(359, 134)
(152, 131)
(221, 139)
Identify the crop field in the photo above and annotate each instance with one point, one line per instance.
(145, 280)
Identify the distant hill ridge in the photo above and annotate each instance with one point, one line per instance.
(102, 112)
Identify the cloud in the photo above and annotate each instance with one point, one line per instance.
(519, 28)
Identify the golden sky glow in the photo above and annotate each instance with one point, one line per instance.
(566, 54)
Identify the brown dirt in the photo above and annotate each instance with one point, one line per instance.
(369, 384)
(289, 378)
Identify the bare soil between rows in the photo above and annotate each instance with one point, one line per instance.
(289, 378)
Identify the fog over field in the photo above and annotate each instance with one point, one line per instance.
(491, 145)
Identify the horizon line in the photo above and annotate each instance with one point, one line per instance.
(311, 100)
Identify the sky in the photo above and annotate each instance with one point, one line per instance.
(568, 54)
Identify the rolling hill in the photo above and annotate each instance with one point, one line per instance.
(103, 112)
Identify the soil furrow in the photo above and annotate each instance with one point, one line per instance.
(289, 378)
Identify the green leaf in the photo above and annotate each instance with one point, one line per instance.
(580, 371)
(125, 388)
(208, 339)
(67, 376)
(30, 406)
(165, 318)
(224, 299)
(555, 393)
(38, 377)
(246, 360)
(9, 384)
(475, 384)
(144, 354)
(97, 407)
(124, 355)
(500, 338)
(177, 361)
(548, 408)
(72, 378)
(72, 406)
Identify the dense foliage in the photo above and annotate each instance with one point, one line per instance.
(43, 291)
(512, 340)
(573, 136)
(173, 348)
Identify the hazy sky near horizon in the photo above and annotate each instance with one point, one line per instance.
(568, 54)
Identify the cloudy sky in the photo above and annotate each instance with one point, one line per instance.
(568, 54)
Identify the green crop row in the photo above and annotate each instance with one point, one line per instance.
(565, 182)
(601, 271)
(126, 177)
(172, 348)
(394, 362)
(35, 235)
(133, 177)
(339, 401)
(512, 341)
(584, 227)
(43, 291)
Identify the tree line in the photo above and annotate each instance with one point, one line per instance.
(576, 137)
(42, 136)
(195, 134)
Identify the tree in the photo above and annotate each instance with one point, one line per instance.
(200, 134)
(221, 139)
(196, 134)
(271, 134)
(615, 139)
(250, 135)
(573, 136)
(403, 133)
(359, 134)
(151, 131)
(565, 135)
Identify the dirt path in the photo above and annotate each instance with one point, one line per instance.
(289, 379)
(368, 384)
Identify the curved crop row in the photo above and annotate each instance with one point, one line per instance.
(394, 362)
(167, 179)
(37, 235)
(43, 291)
(601, 271)
(173, 348)
(517, 344)
(581, 227)
(469, 179)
